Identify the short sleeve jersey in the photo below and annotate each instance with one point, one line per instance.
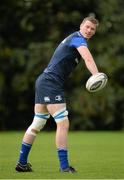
(66, 57)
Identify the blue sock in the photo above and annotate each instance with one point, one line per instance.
(63, 158)
(25, 148)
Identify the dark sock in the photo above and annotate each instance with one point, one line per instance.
(63, 158)
(25, 149)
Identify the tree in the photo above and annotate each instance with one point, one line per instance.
(29, 33)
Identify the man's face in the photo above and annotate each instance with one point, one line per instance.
(87, 29)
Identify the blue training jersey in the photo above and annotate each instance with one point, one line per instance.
(65, 58)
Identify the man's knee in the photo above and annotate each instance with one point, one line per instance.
(38, 123)
(61, 115)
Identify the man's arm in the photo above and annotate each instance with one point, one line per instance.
(89, 61)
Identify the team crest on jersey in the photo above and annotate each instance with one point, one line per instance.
(58, 98)
(76, 60)
(46, 99)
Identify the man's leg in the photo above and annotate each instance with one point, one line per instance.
(40, 118)
(59, 113)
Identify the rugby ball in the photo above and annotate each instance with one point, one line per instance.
(96, 82)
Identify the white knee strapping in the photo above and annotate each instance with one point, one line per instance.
(60, 115)
(38, 123)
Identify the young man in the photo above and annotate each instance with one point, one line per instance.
(49, 93)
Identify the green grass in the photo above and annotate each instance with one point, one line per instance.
(95, 155)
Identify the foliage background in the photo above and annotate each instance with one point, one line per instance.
(30, 30)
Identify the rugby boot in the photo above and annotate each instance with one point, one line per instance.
(69, 170)
(23, 168)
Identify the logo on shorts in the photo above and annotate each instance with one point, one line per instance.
(58, 98)
(46, 99)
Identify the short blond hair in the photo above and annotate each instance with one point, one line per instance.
(91, 19)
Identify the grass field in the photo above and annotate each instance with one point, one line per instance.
(95, 155)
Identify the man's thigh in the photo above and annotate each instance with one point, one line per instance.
(40, 108)
(52, 108)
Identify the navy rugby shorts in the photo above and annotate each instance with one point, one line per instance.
(48, 91)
